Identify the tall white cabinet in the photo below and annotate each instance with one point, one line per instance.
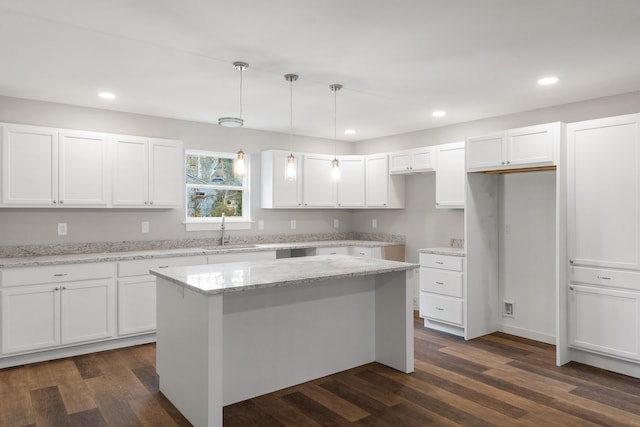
(603, 242)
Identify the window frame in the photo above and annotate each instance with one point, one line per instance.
(213, 223)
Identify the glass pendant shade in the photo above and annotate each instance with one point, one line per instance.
(240, 165)
(290, 172)
(335, 169)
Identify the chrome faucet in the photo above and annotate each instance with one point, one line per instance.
(224, 239)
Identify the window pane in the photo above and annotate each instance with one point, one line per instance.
(208, 203)
(211, 170)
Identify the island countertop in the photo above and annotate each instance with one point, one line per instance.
(212, 279)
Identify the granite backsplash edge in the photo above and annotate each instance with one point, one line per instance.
(147, 245)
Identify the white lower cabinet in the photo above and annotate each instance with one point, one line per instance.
(37, 317)
(360, 251)
(605, 320)
(137, 292)
(136, 305)
(442, 292)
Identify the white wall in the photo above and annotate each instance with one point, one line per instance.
(423, 225)
(527, 228)
(39, 226)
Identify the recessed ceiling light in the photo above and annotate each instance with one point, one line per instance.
(350, 131)
(107, 95)
(439, 113)
(545, 81)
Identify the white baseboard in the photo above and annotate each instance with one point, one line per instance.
(76, 350)
(527, 333)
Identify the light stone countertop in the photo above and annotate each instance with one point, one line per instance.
(16, 262)
(443, 251)
(215, 279)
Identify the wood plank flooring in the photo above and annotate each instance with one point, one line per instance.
(496, 380)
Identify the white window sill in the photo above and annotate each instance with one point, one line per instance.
(209, 226)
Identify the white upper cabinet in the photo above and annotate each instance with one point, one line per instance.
(276, 190)
(450, 175)
(29, 165)
(166, 173)
(148, 173)
(528, 147)
(603, 192)
(84, 169)
(47, 167)
(351, 186)
(364, 183)
(318, 188)
(411, 161)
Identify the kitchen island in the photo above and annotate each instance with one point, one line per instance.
(230, 332)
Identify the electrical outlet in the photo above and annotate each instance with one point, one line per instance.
(144, 226)
(336, 223)
(293, 224)
(62, 229)
(508, 309)
(260, 224)
(374, 223)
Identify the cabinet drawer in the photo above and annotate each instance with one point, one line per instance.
(361, 251)
(438, 307)
(443, 262)
(339, 250)
(142, 266)
(605, 277)
(441, 282)
(55, 273)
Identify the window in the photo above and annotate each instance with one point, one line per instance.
(213, 189)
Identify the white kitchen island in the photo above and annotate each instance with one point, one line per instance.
(230, 332)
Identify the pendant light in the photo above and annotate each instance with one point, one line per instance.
(235, 122)
(240, 167)
(335, 163)
(290, 172)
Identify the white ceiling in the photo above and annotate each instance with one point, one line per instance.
(398, 60)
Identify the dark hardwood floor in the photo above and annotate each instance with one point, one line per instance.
(496, 380)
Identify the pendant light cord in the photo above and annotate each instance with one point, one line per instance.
(241, 93)
(335, 121)
(291, 114)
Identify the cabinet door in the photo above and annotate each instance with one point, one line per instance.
(450, 176)
(605, 320)
(136, 305)
(166, 174)
(377, 180)
(603, 191)
(86, 311)
(319, 189)
(422, 160)
(29, 166)
(84, 169)
(485, 152)
(284, 193)
(400, 162)
(532, 146)
(351, 184)
(131, 172)
(30, 318)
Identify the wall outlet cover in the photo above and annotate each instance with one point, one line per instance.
(374, 223)
(144, 226)
(62, 229)
(293, 224)
(336, 223)
(260, 224)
